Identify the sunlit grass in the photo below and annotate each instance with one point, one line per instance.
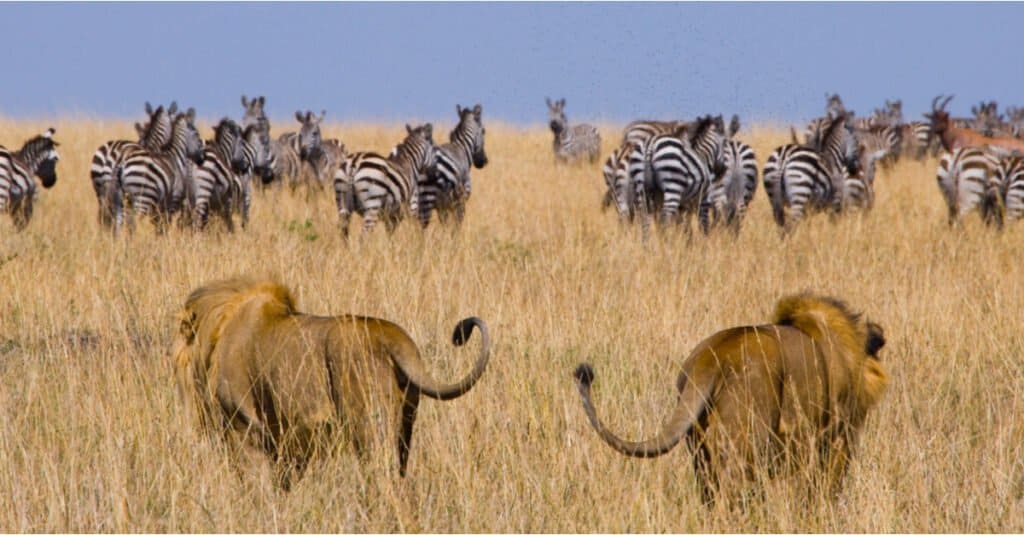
(91, 438)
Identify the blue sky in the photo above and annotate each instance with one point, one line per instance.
(413, 61)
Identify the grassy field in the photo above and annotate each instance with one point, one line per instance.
(92, 437)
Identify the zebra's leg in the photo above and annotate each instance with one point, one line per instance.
(704, 217)
(370, 217)
(226, 208)
(246, 203)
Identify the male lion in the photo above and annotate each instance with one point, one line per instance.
(762, 395)
(269, 377)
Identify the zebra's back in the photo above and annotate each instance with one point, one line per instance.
(965, 177)
(795, 178)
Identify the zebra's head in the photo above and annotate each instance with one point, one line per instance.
(707, 137)
(254, 114)
(471, 127)
(192, 142)
(157, 132)
(309, 134)
(556, 115)
(227, 140)
(418, 147)
(259, 143)
(894, 111)
(834, 105)
(40, 154)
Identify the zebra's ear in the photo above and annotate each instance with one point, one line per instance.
(149, 108)
(458, 110)
(262, 100)
(299, 117)
(191, 114)
(245, 102)
(49, 133)
(428, 131)
(548, 101)
(173, 108)
(408, 129)
(561, 104)
(323, 113)
(477, 110)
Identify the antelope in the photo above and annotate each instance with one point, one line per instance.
(953, 137)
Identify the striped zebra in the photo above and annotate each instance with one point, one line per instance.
(834, 107)
(289, 153)
(155, 183)
(328, 160)
(641, 130)
(1010, 174)
(292, 150)
(153, 136)
(885, 143)
(448, 188)
(572, 143)
(671, 173)
(221, 183)
(731, 190)
(616, 178)
(386, 187)
(795, 178)
(968, 182)
(37, 158)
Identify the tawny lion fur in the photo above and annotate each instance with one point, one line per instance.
(268, 377)
(792, 394)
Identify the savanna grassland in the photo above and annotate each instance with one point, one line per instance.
(92, 436)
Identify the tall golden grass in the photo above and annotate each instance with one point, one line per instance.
(92, 437)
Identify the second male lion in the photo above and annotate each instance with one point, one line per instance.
(287, 383)
(763, 394)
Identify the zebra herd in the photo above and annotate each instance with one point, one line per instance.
(674, 168)
(171, 172)
(678, 168)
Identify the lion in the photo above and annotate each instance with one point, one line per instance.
(794, 393)
(274, 380)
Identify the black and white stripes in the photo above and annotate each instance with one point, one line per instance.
(18, 171)
(376, 186)
(448, 188)
(572, 143)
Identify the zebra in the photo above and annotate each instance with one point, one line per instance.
(290, 152)
(155, 183)
(885, 142)
(387, 187)
(215, 185)
(448, 187)
(153, 136)
(37, 158)
(834, 107)
(813, 176)
(572, 143)
(616, 178)
(671, 173)
(731, 191)
(328, 160)
(641, 130)
(1010, 174)
(795, 177)
(967, 181)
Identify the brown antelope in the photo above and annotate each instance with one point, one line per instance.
(953, 137)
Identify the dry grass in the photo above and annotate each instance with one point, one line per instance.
(91, 438)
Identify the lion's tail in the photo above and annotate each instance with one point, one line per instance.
(413, 368)
(693, 401)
